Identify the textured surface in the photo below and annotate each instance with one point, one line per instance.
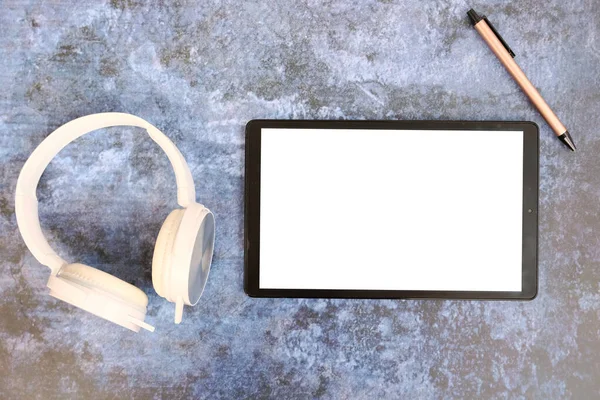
(200, 70)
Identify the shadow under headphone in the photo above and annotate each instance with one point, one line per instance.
(183, 250)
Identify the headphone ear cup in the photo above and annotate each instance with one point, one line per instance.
(93, 278)
(101, 294)
(163, 251)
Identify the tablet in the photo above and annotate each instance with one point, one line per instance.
(391, 209)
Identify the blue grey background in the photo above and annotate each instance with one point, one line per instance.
(201, 70)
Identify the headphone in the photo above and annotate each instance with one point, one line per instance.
(183, 250)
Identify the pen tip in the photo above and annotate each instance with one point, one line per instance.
(568, 140)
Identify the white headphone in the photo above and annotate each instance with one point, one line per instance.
(183, 250)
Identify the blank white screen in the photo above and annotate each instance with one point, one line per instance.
(391, 210)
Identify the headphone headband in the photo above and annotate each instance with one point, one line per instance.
(26, 204)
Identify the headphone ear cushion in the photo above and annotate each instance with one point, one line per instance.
(163, 251)
(93, 278)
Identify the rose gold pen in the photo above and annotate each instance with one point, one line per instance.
(506, 55)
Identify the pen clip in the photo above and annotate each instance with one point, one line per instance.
(499, 37)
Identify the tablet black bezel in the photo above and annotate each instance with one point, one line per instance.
(530, 209)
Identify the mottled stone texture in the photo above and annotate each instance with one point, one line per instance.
(199, 70)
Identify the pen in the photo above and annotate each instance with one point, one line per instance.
(506, 55)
